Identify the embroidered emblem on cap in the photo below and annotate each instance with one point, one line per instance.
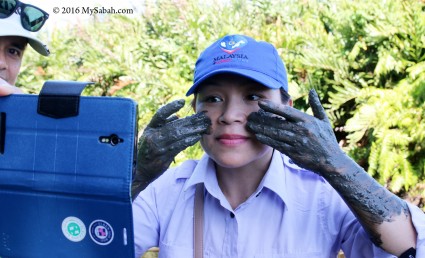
(232, 43)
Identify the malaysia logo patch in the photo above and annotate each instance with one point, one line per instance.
(233, 43)
(101, 232)
(229, 45)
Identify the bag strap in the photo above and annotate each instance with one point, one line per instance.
(198, 222)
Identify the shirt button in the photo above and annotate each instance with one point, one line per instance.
(290, 161)
(232, 215)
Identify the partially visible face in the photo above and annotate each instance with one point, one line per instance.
(228, 100)
(11, 53)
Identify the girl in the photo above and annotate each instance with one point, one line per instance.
(275, 182)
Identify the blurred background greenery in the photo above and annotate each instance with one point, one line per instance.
(366, 59)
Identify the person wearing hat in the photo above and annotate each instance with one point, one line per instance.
(18, 22)
(273, 181)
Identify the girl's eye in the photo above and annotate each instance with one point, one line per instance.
(212, 99)
(253, 97)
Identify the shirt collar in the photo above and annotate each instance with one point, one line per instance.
(200, 172)
(205, 173)
(275, 177)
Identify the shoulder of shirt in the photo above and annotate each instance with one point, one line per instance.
(305, 189)
(304, 174)
(175, 174)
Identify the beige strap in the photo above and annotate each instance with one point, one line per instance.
(198, 222)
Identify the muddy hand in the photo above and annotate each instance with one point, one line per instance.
(308, 140)
(165, 136)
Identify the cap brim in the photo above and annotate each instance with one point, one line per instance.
(12, 27)
(254, 75)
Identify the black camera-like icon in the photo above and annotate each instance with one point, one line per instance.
(112, 139)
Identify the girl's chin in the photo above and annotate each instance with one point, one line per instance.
(239, 159)
(228, 162)
(233, 161)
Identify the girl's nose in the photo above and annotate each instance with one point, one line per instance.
(233, 112)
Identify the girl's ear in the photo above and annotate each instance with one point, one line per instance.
(193, 103)
(290, 103)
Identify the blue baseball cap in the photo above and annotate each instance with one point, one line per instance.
(242, 55)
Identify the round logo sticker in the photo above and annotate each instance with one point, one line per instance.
(101, 232)
(73, 229)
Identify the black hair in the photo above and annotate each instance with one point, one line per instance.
(285, 97)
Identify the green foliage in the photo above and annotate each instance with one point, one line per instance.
(366, 59)
(392, 106)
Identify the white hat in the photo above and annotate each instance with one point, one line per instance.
(11, 26)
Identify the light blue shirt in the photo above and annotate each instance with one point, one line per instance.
(294, 213)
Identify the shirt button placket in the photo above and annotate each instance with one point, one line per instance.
(230, 240)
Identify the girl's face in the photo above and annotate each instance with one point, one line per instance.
(228, 99)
